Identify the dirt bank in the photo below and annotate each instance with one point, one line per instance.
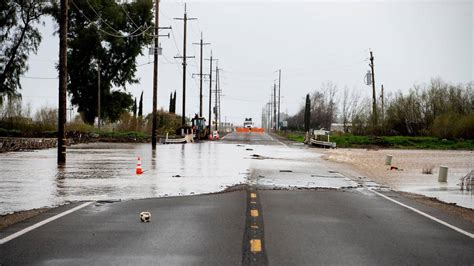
(13, 218)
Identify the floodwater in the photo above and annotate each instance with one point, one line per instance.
(106, 171)
(409, 177)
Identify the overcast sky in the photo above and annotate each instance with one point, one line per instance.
(310, 41)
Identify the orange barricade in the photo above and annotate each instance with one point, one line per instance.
(247, 130)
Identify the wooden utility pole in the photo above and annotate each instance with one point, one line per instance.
(216, 100)
(279, 97)
(155, 74)
(210, 90)
(274, 105)
(381, 98)
(201, 44)
(63, 25)
(219, 94)
(374, 100)
(184, 57)
(156, 45)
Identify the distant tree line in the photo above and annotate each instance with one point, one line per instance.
(435, 109)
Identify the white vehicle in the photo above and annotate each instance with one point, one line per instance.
(248, 123)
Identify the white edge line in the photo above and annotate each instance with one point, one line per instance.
(277, 140)
(426, 215)
(50, 219)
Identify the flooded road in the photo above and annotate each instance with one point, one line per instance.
(106, 171)
(270, 220)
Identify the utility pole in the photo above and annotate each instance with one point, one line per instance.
(156, 37)
(155, 71)
(201, 44)
(63, 25)
(269, 116)
(374, 101)
(98, 93)
(216, 100)
(279, 97)
(271, 109)
(184, 57)
(219, 93)
(274, 105)
(210, 90)
(155, 74)
(383, 114)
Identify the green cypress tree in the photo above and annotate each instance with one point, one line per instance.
(140, 106)
(307, 113)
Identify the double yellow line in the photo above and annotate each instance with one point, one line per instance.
(255, 243)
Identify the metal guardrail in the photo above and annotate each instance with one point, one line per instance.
(323, 143)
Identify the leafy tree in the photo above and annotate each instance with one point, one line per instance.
(307, 113)
(19, 37)
(140, 106)
(105, 35)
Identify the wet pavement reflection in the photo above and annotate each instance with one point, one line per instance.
(106, 171)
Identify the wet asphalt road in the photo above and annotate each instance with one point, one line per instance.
(353, 228)
(300, 227)
(200, 230)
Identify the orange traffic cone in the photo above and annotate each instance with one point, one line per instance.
(139, 170)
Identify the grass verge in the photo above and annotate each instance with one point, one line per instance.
(397, 142)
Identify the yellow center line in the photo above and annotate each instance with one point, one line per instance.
(254, 226)
(253, 195)
(254, 213)
(253, 202)
(255, 245)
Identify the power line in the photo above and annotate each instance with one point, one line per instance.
(128, 16)
(99, 17)
(27, 77)
(106, 32)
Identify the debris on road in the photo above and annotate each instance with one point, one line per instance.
(145, 217)
(395, 168)
(467, 181)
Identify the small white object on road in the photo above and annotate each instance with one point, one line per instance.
(145, 217)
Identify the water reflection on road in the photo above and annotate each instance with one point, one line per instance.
(106, 171)
(103, 171)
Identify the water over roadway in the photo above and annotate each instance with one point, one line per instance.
(106, 171)
(252, 226)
